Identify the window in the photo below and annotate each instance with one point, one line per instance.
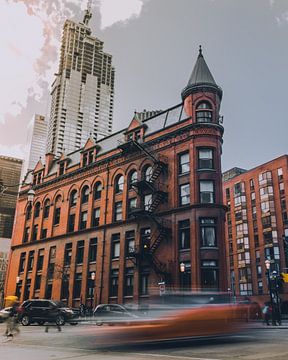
(35, 233)
(115, 243)
(145, 238)
(144, 281)
(73, 198)
(83, 220)
(260, 288)
(37, 282)
(22, 262)
(26, 235)
(85, 159)
(208, 232)
(93, 250)
(209, 274)
(96, 217)
(37, 210)
(130, 243)
(57, 211)
(206, 192)
(280, 173)
(228, 194)
(71, 222)
(118, 211)
(132, 179)
(77, 286)
(114, 282)
(97, 191)
(148, 202)
(184, 194)
(128, 282)
(85, 195)
(90, 156)
(80, 252)
(205, 159)
(252, 186)
(61, 168)
(68, 254)
(204, 112)
(40, 260)
(119, 184)
(46, 209)
(184, 163)
(28, 212)
(184, 234)
(91, 286)
(148, 172)
(259, 271)
(132, 204)
(30, 260)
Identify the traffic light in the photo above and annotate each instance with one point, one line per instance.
(285, 277)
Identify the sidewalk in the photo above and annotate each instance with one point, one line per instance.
(260, 324)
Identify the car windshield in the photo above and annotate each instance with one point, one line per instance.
(59, 303)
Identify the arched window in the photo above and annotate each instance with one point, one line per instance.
(85, 194)
(46, 208)
(119, 183)
(37, 209)
(97, 190)
(73, 198)
(57, 210)
(204, 112)
(28, 212)
(132, 179)
(148, 172)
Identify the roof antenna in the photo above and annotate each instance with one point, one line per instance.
(200, 50)
(88, 13)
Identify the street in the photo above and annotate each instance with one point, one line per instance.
(80, 341)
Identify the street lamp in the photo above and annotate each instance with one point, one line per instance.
(31, 195)
(92, 291)
(17, 282)
(267, 265)
(182, 268)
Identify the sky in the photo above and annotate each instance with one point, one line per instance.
(154, 44)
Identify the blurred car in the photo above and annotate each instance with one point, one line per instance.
(4, 314)
(200, 321)
(39, 311)
(112, 314)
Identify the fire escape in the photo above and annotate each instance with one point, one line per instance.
(157, 193)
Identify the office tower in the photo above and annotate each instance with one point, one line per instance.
(10, 170)
(83, 90)
(36, 142)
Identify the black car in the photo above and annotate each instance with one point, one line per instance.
(112, 314)
(40, 311)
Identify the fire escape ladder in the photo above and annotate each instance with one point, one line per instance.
(158, 266)
(158, 197)
(158, 168)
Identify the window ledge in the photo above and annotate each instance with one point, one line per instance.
(184, 250)
(184, 174)
(209, 248)
(206, 169)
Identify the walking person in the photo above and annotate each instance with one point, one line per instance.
(52, 318)
(12, 325)
(267, 312)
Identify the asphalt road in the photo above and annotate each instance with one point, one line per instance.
(84, 342)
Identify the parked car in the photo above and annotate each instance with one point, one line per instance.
(4, 314)
(39, 310)
(112, 314)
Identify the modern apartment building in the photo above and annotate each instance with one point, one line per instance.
(82, 92)
(143, 206)
(10, 171)
(256, 226)
(36, 142)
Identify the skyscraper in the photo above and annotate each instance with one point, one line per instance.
(83, 91)
(36, 141)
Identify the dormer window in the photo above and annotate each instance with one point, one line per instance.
(204, 112)
(88, 158)
(85, 159)
(61, 168)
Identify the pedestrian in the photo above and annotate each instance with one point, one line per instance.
(12, 324)
(267, 311)
(52, 318)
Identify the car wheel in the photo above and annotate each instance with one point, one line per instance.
(60, 320)
(74, 323)
(40, 322)
(25, 321)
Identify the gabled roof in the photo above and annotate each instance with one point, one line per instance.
(39, 166)
(135, 123)
(89, 143)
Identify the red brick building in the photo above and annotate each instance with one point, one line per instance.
(256, 227)
(111, 221)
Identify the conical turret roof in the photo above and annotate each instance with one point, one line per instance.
(201, 76)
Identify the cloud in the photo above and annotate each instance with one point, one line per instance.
(16, 150)
(113, 11)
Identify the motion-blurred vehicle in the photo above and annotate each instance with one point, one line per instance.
(4, 314)
(39, 311)
(112, 314)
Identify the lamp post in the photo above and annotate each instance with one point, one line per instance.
(17, 282)
(267, 265)
(92, 291)
(31, 195)
(182, 271)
